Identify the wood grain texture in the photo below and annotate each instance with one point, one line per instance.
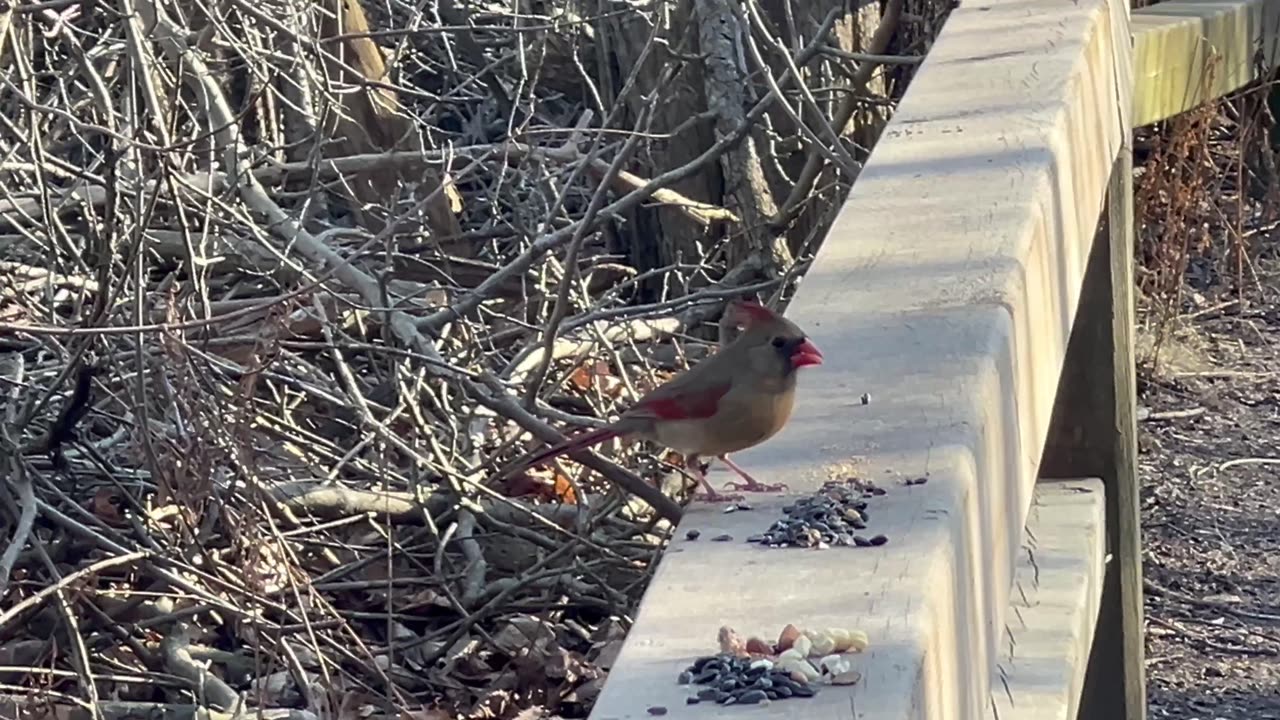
(1094, 432)
(1188, 52)
(1054, 607)
(946, 289)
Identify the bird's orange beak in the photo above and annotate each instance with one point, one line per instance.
(805, 354)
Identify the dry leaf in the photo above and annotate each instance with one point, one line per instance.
(531, 484)
(424, 598)
(563, 490)
(523, 484)
(522, 632)
(492, 705)
(106, 507)
(580, 378)
(595, 375)
(451, 194)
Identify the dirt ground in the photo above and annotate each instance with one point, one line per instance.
(1210, 467)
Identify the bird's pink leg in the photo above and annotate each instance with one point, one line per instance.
(711, 495)
(750, 485)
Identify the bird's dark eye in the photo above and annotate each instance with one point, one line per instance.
(779, 342)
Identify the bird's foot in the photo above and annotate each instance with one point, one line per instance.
(749, 484)
(711, 496)
(709, 493)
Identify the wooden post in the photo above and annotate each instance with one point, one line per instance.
(1093, 433)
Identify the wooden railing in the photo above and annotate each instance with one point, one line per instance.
(978, 286)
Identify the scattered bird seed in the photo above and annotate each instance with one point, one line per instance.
(742, 680)
(828, 518)
(846, 677)
(722, 538)
(693, 535)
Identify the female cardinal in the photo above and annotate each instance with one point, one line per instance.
(737, 398)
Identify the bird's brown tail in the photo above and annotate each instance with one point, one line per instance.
(576, 442)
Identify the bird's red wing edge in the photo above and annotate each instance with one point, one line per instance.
(692, 405)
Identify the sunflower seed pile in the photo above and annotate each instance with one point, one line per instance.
(736, 680)
(833, 516)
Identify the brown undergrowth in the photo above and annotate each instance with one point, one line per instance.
(1209, 420)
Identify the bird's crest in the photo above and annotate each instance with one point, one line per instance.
(750, 311)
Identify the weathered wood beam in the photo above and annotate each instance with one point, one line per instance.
(1189, 52)
(1054, 608)
(1094, 433)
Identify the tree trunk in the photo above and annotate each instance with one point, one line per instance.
(371, 120)
(746, 191)
(753, 178)
(657, 236)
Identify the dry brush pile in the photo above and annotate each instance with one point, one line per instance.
(1207, 199)
(283, 283)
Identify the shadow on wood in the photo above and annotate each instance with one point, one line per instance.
(1093, 433)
